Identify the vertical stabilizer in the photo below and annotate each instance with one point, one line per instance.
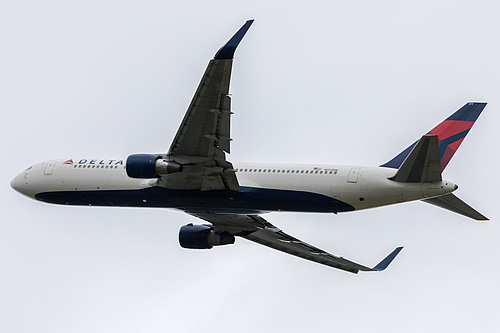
(451, 132)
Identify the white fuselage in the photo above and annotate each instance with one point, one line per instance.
(354, 187)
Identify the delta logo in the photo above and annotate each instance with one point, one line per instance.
(98, 162)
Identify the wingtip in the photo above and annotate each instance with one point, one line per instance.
(227, 51)
(387, 260)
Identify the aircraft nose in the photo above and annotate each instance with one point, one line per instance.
(16, 183)
(22, 184)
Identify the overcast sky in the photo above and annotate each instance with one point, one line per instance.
(337, 82)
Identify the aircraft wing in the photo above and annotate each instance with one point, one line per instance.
(204, 135)
(257, 229)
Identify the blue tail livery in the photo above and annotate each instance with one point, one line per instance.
(451, 132)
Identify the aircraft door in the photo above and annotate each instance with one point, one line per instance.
(49, 167)
(353, 175)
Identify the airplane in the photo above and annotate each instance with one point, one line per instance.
(195, 176)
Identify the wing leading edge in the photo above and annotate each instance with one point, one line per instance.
(257, 229)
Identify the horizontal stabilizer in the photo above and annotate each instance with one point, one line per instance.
(422, 164)
(453, 203)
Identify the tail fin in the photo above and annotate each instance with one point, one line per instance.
(425, 159)
(451, 132)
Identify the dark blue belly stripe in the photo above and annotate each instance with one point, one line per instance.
(249, 201)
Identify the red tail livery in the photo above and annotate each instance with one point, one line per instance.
(451, 132)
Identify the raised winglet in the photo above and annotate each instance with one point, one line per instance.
(387, 260)
(227, 51)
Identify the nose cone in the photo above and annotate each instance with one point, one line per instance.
(16, 183)
(22, 184)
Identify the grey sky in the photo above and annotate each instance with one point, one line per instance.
(351, 82)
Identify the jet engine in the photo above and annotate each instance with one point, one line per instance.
(202, 237)
(150, 166)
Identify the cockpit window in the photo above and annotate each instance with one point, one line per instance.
(28, 168)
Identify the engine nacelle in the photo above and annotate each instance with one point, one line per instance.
(193, 236)
(150, 166)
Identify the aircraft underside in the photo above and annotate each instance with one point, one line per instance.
(248, 201)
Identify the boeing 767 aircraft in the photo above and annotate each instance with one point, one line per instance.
(194, 176)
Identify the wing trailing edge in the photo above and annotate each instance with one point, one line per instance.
(258, 230)
(278, 240)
